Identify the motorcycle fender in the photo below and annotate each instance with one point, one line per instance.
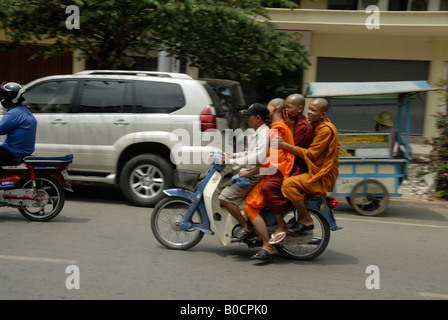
(324, 211)
(179, 193)
(329, 215)
(186, 194)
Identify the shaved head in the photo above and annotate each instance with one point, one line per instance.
(296, 99)
(322, 104)
(279, 102)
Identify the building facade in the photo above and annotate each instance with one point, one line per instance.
(347, 40)
(365, 45)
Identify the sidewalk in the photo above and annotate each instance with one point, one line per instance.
(419, 184)
(408, 200)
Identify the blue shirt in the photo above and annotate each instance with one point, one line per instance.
(19, 125)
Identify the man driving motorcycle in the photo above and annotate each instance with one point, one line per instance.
(234, 194)
(18, 124)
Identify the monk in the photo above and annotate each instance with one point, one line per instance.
(322, 161)
(303, 133)
(302, 130)
(279, 166)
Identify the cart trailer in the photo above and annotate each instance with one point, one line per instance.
(369, 172)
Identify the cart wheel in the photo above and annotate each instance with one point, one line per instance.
(369, 197)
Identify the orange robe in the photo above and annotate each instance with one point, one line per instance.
(323, 165)
(278, 159)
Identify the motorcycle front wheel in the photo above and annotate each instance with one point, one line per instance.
(311, 244)
(165, 224)
(52, 196)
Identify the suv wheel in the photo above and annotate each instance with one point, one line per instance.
(144, 178)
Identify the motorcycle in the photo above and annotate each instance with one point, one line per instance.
(35, 186)
(180, 220)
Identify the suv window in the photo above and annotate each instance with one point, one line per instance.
(51, 96)
(226, 97)
(158, 97)
(105, 97)
(220, 111)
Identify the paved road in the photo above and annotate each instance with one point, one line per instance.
(110, 246)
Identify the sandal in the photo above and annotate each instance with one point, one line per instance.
(262, 255)
(298, 229)
(277, 238)
(240, 235)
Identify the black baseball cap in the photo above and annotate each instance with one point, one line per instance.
(257, 109)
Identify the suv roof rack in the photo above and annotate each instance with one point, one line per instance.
(136, 73)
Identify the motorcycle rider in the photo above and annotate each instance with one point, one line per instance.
(233, 195)
(18, 124)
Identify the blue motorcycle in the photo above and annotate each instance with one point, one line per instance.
(180, 220)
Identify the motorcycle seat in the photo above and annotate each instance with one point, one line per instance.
(13, 162)
(49, 161)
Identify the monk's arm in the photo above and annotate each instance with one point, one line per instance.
(293, 149)
(318, 146)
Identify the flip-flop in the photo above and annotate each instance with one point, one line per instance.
(277, 238)
(262, 255)
(298, 229)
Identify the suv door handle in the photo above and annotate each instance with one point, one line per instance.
(121, 122)
(59, 121)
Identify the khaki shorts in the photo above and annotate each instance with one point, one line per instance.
(236, 194)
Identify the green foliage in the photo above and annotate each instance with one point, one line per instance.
(228, 38)
(439, 156)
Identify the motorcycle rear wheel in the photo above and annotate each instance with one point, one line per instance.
(310, 245)
(165, 224)
(55, 202)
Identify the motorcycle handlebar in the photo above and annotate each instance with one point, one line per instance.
(216, 158)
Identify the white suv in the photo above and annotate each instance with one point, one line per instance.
(122, 126)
